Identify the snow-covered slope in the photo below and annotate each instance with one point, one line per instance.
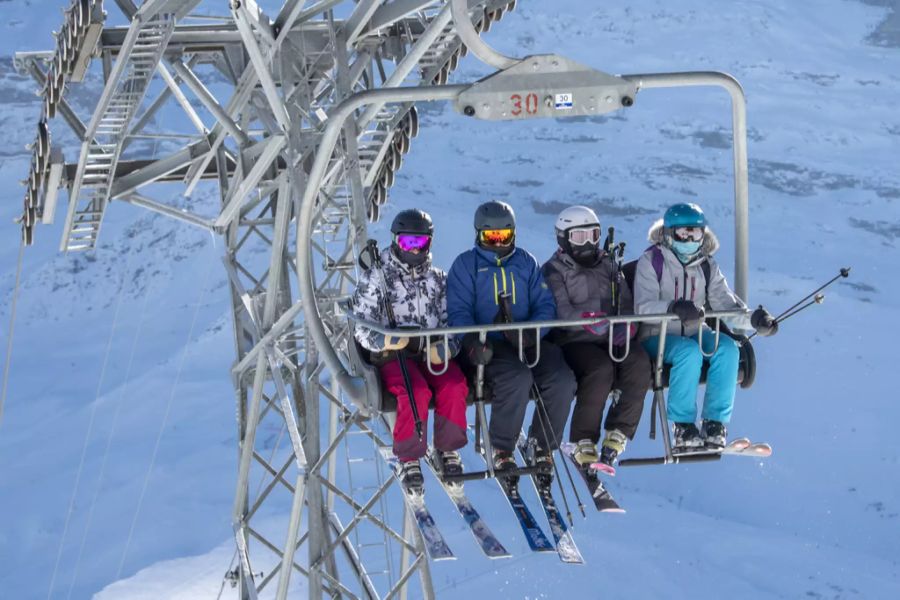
(818, 519)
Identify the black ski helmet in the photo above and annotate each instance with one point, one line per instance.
(495, 215)
(413, 221)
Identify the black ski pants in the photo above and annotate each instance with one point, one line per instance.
(510, 381)
(597, 375)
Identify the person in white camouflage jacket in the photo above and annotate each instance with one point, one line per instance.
(417, 292)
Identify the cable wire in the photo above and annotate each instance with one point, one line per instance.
(87, 435)
(112, 429)
(12, 325)
(200, 299)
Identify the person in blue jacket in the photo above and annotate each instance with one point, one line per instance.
(496, 274)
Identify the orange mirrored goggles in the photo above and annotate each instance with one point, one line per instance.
(496, 237)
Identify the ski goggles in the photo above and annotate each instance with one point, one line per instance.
(496, 237)
(580, 236)
(410, 242)
(688, 234)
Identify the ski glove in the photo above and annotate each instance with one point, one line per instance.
(478, 352)
(529, 338)
(391, 342)
(687, 311)
(439, 353)
(598, 329)
(763, 322)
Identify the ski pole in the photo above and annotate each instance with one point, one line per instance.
(372, 246)
(819, 299)
(845, 272)
(544, 417)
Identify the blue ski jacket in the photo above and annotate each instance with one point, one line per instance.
(478, 276)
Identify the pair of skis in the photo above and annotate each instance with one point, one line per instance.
(603, 500)
(564, 544)
(435, 544)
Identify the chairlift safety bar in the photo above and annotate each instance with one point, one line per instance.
(445, 332)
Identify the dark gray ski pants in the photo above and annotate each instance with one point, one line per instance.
(597, 375)
(510, 382)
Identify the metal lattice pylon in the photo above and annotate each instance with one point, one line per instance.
(284, 75)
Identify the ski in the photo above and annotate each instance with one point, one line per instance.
(537, 541)
(603, 500)
(565, 543)
(434, 541)
(759, 450)
(486, 540)
(737, 447)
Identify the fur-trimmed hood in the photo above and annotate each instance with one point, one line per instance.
(708, 248)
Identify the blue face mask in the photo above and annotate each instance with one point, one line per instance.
(685, 251)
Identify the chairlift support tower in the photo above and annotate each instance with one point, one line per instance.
(302, 154)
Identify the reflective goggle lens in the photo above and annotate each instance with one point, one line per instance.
(410, 241)
(688, 234)
(584, 235)
(496, 237)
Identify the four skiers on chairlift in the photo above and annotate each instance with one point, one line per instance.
(496, 281)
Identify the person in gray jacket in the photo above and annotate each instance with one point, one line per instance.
(679, 275)
(582, 278)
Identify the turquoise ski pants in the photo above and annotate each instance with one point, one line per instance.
(684, 355)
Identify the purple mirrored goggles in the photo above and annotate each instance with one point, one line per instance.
(410, 242)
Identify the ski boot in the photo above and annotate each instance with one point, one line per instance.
(585, 453)
(412, 479)
(687, 438)
(543, 460)
(504, 461)
(450, 464)
(613, 445)
(714, 433)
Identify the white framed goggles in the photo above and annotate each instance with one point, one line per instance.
(688, 234)
(579, 236)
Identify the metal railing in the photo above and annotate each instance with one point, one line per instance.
(661, 319)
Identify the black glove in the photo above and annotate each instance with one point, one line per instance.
(415, 345)
(529, 338)
(687, 311)
(478, 352)
(763, 322)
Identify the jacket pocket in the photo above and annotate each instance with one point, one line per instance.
(577, 288)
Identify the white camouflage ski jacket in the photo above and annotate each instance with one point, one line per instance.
(682, 282)
(418, 296)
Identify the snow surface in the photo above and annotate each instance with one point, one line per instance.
(820, 519)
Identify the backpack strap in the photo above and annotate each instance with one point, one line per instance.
(657, 260)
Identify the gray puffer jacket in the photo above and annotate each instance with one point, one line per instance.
(418, 296)
(578, 289)
(678, 281)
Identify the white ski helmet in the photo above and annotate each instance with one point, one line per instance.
(586, 251)
(576, 216)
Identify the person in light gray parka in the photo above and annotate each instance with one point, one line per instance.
(671, 277)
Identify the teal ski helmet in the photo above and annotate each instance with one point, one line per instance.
(684, 215)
